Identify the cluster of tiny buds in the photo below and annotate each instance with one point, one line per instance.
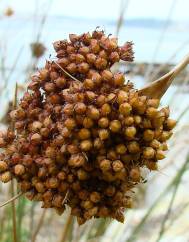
(82, 133)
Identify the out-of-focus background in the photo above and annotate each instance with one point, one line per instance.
(159, 30)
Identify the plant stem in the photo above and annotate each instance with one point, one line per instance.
(39, 225)
(66, 228)
(13, 213)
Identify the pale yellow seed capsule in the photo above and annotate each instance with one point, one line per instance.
(121, 149)
(164, 146)
(160, 155)
(122, 97)
(148, 153)
(115, 126)
(130, 132)
(151, 165)
(137, 119)
(5, 177)
(148, 135)
(151, 112)
(105, 109)
(88, 122)
(125, 109)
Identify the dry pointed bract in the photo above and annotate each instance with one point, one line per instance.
(82, 133)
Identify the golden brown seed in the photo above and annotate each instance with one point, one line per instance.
(148, 135)
(83, 67)
(137, 119)
(129, 121)
(72, 148)
(107, 75)
(36, 138)
(89, 84)
(119, 79)
(95, 197)
(133, 147)
(101, 63)
(164, 146)
(84, 133)
(170, 124)
(5, 177)
(153, 103)
(148, 153)
(72, 68)
(105, 165)
(115, 126)
(103, 134)
(160, 155)
(88, 122)
(3, 166)
(80, 108)
(36, 125)
(165, 135)
(60, 82)
(155, 144)
(151, 112)
(93, 113)
(151, 165)
(84, 50)
(82, 175)
(125, 109)
(76, 160)
(121, 149)
(40, 187)
(135, 174)
(117, 165)
(91, 58)
(19, 169)
(86, 145)
(70, 123)
(87, 204)
(130, 132)
(103, 122)
(53, 182)
(122, 97)
(101, 99)
(43, 74)
(105, 109)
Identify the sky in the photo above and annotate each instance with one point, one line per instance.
(103, 9)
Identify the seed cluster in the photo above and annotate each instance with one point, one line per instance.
(81, 134)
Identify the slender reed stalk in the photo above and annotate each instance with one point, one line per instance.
(39, 225)
(13, 208)
(11, 200)
(66, 228)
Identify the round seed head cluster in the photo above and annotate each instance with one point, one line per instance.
(82, 134)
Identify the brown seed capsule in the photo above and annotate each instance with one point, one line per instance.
(5, 177)
(86, 145)
(40, 187)
(95, 197)
(148, 135)
(151, 112)
(137, 119)
(60, 82)
(151, 165)
(105, 109)
(101, 63)
(133, 147)
(89, 84)
(170, 124)
(117, 165)
(19, 169)
(119, 79)
(114, 57)
(96, 78)
(107, 75)
(148, 153)
(83, 67)
(121, 149)
(91, 58)
(103, 134)
(93, 113)
(87, 204)
(130, 132)
(70, 123)
(129, 121)
(153, 103)
(82, 175)
(76, 160)
(160, 155)
(103, 122)
(135, 174)
(84, 133)
(3, 166)
(36, 138)
(72, 68)
(105, 165)
(125, 109)
(84, 50)
(88, 122)
(80, 108)
(122, 97)
(155, 144)
(115, 126)
(53, 182)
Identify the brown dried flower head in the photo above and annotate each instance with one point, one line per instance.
(82, 133)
